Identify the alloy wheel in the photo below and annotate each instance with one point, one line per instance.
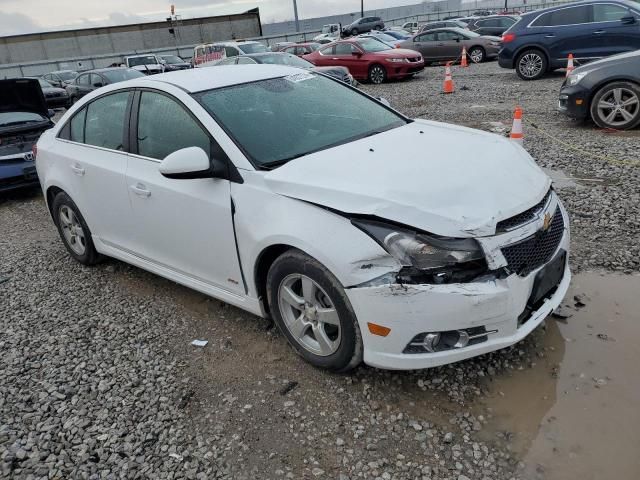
(309, 315)
(618, 107)
(72, 230)
(377, 74)
(476, 55)
(530, 65)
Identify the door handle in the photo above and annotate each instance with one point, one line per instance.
(551, 35)
(598, 32)
(140, 190)
(77, 169)
(334, 58)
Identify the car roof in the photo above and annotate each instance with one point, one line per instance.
(199, 79)
(106, 69)
(628, 3)
(447, 29)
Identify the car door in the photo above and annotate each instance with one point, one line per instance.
(346, 54)
(83, 84)
(618, 27)
(182, 225)
(95, 157)
(448, 44)
(425, 43)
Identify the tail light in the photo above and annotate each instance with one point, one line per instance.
(508, 37)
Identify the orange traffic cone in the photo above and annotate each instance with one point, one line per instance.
(516, 130)
(463, 60)
(570, 64)
(447, 87)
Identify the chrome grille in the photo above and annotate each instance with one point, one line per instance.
(531, 253)
(524, 217)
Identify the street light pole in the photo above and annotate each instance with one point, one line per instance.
(362, 8)
(295, 14)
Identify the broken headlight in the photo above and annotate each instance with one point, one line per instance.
(426, 258)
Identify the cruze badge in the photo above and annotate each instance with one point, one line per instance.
(547, 221)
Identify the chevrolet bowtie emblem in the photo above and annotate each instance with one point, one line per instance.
(547, 222)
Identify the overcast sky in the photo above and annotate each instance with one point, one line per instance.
(26, 16)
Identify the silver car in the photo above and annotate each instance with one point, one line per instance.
(445, 44)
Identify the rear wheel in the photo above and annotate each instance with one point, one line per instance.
(377, 74)
(476, 54)
(531, 65)
(617, 105)
(311, 309)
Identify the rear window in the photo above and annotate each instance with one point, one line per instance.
(565, 16)
(252, 48)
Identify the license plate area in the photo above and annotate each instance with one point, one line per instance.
(547, 279)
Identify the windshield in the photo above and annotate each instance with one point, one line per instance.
(68, 75)
(172, 59)
(148, 60)
(253, 48)
(397, 35)
(284, 59)
(122, 74)
(385, 37)
(373, 45)
(276, 120)
(16, 118)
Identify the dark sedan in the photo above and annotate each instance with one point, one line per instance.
(280, 58)
(60, 78)
(173, 62)
(24, 115)
(54, 96)
(607, 90)
(445, 44)
(87, 82)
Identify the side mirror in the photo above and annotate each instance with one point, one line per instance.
(51, 113)
(187, 163)
(97, 84)
(458, 39)
(628, 20)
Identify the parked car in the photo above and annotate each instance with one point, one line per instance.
(445, 44)
(147, 64)
(483, 13)
(411, 27)
(279, 46)
(89, 81)
(494, 25)
(369, 59)
(211, 53)
(542, 40)
(606, 90)
(329, 32)
(363, 25)
(383, 37)
(54, 97)
(173, 62)
(300, 49)
(60, 78)
(288, 59)
(443, 24)
(24, 115)
(355, 256)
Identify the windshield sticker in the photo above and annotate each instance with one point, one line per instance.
(299, 77)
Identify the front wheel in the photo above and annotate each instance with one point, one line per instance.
(354, 32)
(311, 309)
(377, 74)
(617, 106)
(531, 65)
(73, 230)
(476, 54)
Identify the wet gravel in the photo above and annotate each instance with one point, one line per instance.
(99, 379)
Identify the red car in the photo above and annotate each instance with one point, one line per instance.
(301, 49)
(369, 59)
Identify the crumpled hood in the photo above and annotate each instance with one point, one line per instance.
(444, 179)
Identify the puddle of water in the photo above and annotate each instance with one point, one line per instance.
(575, 414)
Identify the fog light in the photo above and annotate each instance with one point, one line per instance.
(430, 342)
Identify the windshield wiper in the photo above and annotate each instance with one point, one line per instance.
(279, 163)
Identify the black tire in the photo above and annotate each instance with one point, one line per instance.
(477, 54)
(90, 256)
(377, 74)
(348, 354)
(628, 92)
(377, 27)
(531, 64)
(354, 32)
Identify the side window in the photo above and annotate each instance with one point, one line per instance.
(565, 16)
(76, 133)
(427, 37)
(291, 50)
(230, 51)
(105, 118)
(83, 80)
(492, 22)
(96, 80)
(327, 51)
(447, 36)
(160, 114)
(608, 12)
(344, 49)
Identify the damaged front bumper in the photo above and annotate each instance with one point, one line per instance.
(502, 307)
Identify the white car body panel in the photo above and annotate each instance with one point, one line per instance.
(185, 230)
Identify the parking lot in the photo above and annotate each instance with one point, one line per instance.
(112, 388)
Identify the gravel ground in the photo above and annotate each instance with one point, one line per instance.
(100, 379)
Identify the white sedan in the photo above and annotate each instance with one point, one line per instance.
(365, 235)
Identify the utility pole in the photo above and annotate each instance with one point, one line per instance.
(295, 14)
(362, 8)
